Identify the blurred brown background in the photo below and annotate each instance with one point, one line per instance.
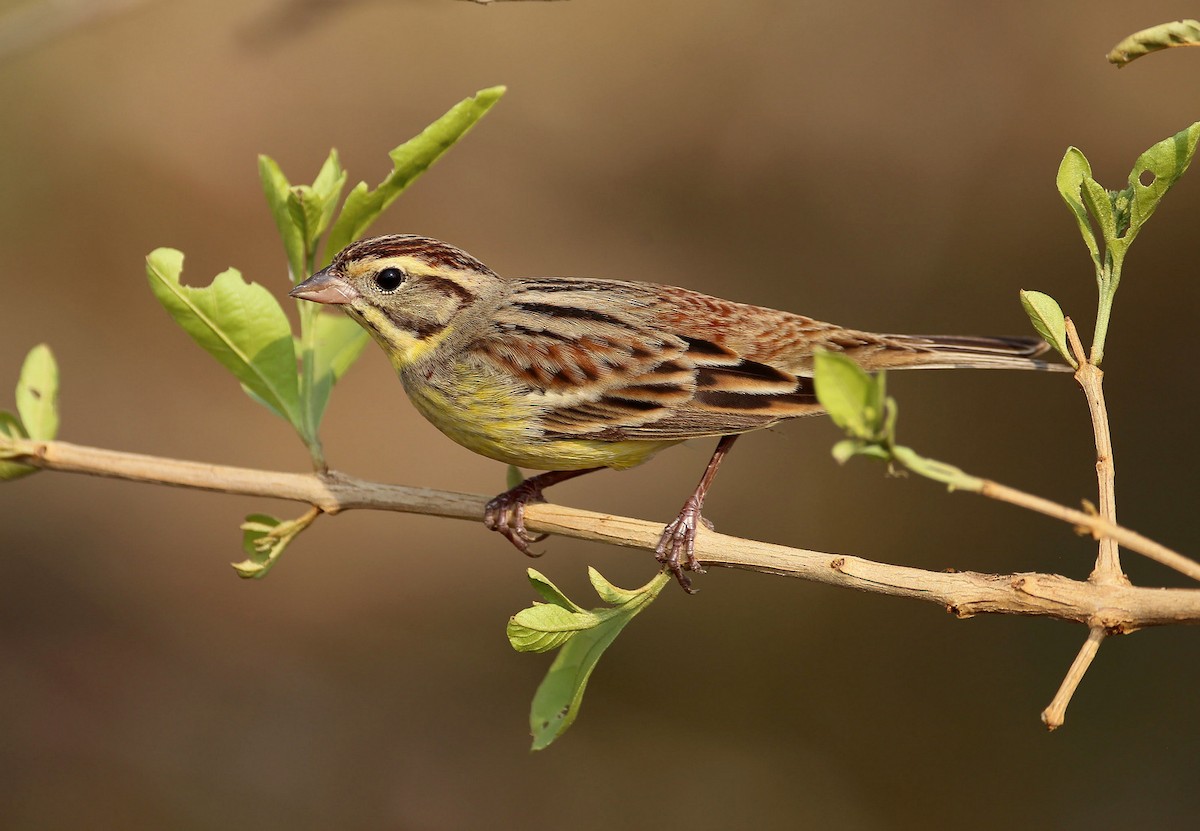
(881, 165)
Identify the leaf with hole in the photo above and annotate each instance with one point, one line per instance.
(37, 394)
(1154, 173)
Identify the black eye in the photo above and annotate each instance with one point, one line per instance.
(389, 279)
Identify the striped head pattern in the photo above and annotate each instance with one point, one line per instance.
(406, 291)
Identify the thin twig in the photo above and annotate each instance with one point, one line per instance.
(1054, 715)
(1115, 608)
(1100, 527)
(1091, 379)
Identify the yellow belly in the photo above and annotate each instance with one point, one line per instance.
(485, 416)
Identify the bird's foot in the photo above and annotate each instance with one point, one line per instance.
(505, 514)
(676, 547)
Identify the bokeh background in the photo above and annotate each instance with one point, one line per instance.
(888, 166)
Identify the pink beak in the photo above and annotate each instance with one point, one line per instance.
(325, 287)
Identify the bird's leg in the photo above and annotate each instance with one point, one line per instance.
(676, 547)
(506, 513)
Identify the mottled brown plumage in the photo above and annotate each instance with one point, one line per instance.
(574, 374)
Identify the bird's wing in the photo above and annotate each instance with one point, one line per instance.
(600, 364)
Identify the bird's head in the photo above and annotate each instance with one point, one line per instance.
(411, 293)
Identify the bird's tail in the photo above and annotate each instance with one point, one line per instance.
(965, 351)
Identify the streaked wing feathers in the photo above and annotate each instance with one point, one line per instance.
(615, 372)
(697, 400)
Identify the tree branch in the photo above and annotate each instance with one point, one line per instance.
(1111, 608)
(1054, 715)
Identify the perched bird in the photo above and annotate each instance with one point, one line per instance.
(571, 375)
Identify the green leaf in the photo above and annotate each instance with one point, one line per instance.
(513, 476)
(609, 593)
(10, 427)
(1047, 317)
(550, 592)
(338, 342)
(37, 394)
(583, 637)
(264, 539)
(328, 187)
(546, 626)
(259, 545)
(1154, 39)
(302, 212)
(1163, 164)
(363, 205)
(238, 323)
(311, 207)
(850, 396)
(1073, 171)
(278, 192)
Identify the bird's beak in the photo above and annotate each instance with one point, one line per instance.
(325, 287)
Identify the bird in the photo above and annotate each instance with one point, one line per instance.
(570, 375)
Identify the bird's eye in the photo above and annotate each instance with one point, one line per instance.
(389, 279)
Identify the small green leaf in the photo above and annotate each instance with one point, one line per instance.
(1047, 317)
(363, 205)
(583, 637)
(846, 449)
(37, 394)
(328, 186)
(338, 343)
(546, 626)
(609, 593)
(1154, 39)
(847, 393)
(278, 190)
(1073, 171)
(238, 323)
(264, 539)
(513, 476)
(10, 427)
(550, 592)
(257, 543)
(311, 209)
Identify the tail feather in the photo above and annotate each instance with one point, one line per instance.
(970, 352)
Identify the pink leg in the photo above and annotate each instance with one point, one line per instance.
(676, 548)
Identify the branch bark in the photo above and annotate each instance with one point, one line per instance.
(1110, 608)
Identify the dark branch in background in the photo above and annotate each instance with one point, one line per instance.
(1112, 608)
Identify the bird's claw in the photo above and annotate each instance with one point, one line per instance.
(505, 514)
(676, 547)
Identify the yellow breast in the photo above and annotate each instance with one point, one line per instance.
(487, 415)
